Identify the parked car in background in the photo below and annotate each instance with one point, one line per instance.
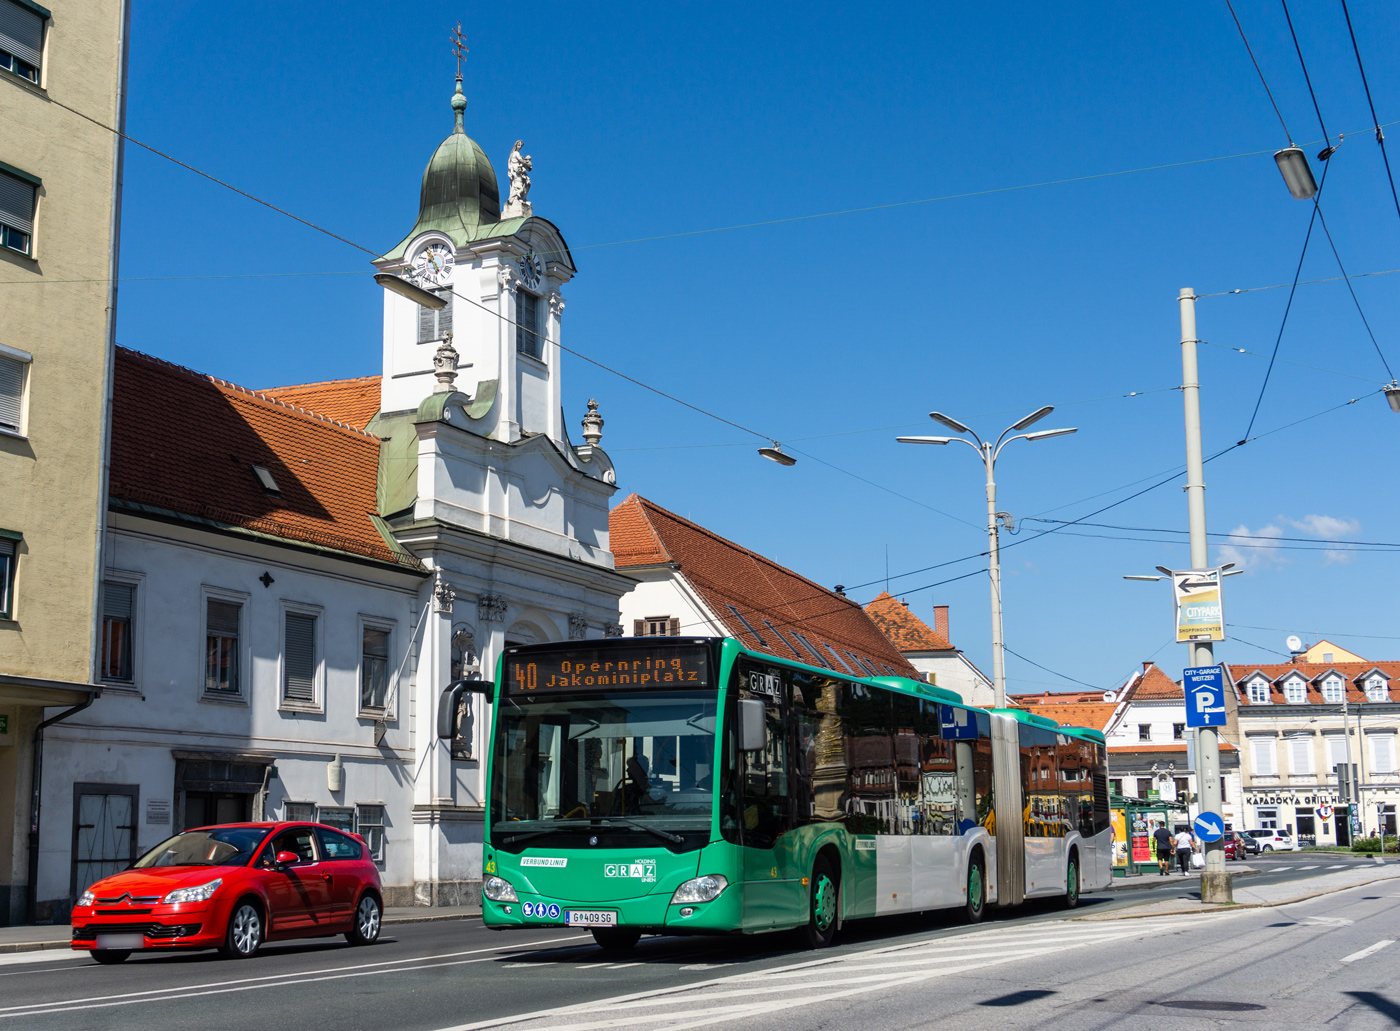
(231, 888)
(1239, 845)
(1274, 840)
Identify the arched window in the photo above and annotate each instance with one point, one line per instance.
(1259, 691)
(1377, 690)
(1332, 689)
(1295, 692)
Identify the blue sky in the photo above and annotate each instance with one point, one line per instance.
(834, 334)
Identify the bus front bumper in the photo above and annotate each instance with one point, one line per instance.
(649, 913)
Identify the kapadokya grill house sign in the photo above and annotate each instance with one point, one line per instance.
(1258, 797)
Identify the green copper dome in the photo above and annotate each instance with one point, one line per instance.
(459, 192)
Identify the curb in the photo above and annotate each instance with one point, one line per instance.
(1234, 907)
(1241, 871)
(9, 947)
(430, 919)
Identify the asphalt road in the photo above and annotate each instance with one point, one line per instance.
(437, 975)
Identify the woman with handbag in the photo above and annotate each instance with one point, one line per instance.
(1185, 845)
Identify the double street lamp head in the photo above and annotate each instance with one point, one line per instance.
(1035, 416)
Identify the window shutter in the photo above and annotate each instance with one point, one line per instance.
(673, 626)
(444, 317)
(117, 600)
(21, 32)
(11, 392)
(1300, 754)
(639, 628)
(1262, 751)
(299, 663)
(222, 620)
(1336, 751)
(427, 324)
(16, 195)
(1382, 753)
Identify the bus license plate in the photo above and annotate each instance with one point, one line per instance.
(589, 918)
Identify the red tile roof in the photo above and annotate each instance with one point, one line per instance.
(723, 573)
(1180, 749)
(1354, 672)
(1153, 685)
(908, 632)
(1058, 698)
(352, 401)
(1094, 715)
(187, 443)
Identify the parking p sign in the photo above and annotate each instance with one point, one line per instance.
(1205, 696)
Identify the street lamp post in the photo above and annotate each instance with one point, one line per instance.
(989, 453)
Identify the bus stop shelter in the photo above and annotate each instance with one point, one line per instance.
(1133, 822)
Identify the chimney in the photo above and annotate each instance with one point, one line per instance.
(940, 621)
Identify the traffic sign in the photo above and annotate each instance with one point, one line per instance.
(1209, 826)
(1205, 696)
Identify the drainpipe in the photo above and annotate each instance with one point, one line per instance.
(32, 893)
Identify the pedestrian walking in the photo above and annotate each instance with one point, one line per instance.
(1163, 838)
(1185, 845)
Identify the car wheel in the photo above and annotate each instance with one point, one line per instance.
(1072, 883)
(976, 904)
(368, 919)
(1268, 848)
(245, 932)
(109, 956)
(823, 906)
(616, 939)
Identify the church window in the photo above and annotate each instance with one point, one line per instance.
(21, 39)
(17, 202)
(527, 325)
(434, 325)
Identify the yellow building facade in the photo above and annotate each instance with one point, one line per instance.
(62, 95)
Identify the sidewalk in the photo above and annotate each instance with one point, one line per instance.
(1264, 895)
(1156, 880)
(29, 938)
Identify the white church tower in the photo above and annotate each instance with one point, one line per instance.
(477, 475)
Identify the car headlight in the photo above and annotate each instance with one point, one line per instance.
(86, 899)
(197, 894)
(498, 889)
(700, 889)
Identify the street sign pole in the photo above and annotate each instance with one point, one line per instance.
(1216, 883)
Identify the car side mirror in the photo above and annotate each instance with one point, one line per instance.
(451, 697)
(288, 859)
(753, 725)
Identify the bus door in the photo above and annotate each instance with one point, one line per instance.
(773, 892)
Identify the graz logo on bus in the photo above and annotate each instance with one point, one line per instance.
(637, 870)
(769, 684)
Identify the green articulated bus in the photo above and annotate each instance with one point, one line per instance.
(682, 785)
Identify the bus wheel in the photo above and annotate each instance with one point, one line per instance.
(1072, 882)
(825, 899)
(976, 904)
(616, 939)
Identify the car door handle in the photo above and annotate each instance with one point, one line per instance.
(326, 877)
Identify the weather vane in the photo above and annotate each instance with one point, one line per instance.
(459, 46)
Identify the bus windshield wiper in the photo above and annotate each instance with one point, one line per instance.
(655, 832)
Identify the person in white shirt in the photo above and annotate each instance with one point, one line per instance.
(1185, 845)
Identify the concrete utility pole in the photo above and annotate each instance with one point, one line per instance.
(1216, 884)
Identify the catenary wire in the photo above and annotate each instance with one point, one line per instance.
(1250, 50)
(1319, 633)
(1235, 536)
(1285, 361)
(1380, 136)
(1047, 669)
(1306, 77)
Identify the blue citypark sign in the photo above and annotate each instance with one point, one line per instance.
(1209, 826)
(1205, 696)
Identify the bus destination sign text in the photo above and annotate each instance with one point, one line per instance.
(589, 669)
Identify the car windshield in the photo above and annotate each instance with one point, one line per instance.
(630, 757)
(217, 846)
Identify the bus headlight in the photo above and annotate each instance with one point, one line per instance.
(498, 889)
(700, 889)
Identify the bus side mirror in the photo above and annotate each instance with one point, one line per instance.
(451, 698)
(753, 725)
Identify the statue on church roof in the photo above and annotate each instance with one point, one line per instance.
(518, 167)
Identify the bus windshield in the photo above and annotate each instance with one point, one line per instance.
(629, 758)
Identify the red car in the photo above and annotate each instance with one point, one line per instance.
(231, 888)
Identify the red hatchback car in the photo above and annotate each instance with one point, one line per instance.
(233, 887)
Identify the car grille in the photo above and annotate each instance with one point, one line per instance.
(134, 900)
(153, 931)
(124, 911)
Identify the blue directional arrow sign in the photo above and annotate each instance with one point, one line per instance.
(1205, 696)
(1209, 826)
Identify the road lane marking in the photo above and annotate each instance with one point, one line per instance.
(1371, 950)
(1314, 866)
(269, 980)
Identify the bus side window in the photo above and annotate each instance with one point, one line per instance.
(871, 799)
(941, 778)
(767, 801)
(982, 774)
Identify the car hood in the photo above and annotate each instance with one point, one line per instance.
(157, 881)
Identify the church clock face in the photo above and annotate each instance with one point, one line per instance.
(531, 269)
(433, 265)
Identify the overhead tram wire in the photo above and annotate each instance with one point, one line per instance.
(1262, 80)
(1215, 533)
(1285, 361)
(1380, 136)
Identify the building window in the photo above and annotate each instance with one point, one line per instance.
(433, 325)
(369, 824)
(1115, 786)
(18, 195)
(656, 626)
(299, 812)
(374, 669)
(1295, 692)
(299, 659)
(1178, 731)
(1382, 753)
(118, 616)
(1263, 756)
(14, 367)
(1144, 732)
(21, 39)
(1259, 692)
(1268, 819)
(527, 324)
(1336, 751)
(1332, 690)
(1144, 787)
(341, 818)
(221, 672)
(1376, 690)
(1182, 791)
(1300, 754)
(9, 562)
